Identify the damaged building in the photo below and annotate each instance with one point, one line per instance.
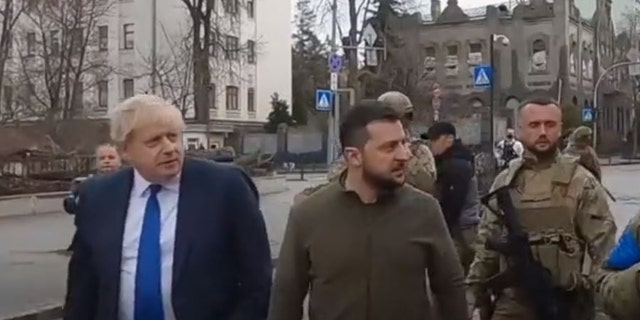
(551, 47)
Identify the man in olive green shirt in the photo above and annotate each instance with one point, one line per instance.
(360, 246)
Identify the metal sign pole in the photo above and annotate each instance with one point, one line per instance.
(331, 132)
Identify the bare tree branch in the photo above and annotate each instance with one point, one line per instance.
(216, 49)
(10, 15)
(60, 56)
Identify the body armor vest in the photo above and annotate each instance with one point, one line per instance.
(421, 168)
(546, 206)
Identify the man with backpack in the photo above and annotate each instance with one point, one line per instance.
(508, 149)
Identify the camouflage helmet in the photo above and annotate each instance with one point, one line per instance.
(398, 101)
(582, 133)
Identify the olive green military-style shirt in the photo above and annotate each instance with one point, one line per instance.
(367, 261)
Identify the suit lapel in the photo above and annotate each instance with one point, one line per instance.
(113, 216)
(187, 206)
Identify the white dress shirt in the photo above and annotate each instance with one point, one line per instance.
(168, 199)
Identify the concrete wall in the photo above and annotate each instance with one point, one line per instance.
(297, 142)
(263, 142)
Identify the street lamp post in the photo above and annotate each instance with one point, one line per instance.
(505, 41)
(595, 94)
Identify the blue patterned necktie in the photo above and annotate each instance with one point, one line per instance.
(148, 292)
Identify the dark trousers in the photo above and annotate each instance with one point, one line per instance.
(73, 241)
(70, 272)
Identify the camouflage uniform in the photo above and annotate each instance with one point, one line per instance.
(421, 167)
(619, 281)
(579, 146)
(565, 212)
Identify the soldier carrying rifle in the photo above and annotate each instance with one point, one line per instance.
(553, 214)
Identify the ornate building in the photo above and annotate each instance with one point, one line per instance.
(551, 47)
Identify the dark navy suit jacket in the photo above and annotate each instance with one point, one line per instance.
(222, 262)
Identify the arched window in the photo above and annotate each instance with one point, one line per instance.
(539, 54)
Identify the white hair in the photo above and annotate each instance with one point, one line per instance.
(140, 111)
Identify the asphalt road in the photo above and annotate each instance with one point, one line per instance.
(33, 273)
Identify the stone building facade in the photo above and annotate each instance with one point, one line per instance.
(551, 48)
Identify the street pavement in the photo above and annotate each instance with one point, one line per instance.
(33, 272)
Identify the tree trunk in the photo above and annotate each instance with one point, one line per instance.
(201, 70)
(5, 39)
(198, 76)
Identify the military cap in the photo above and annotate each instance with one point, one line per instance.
(582, 132)
(398, 101)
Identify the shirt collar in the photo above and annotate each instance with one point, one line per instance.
(383, 195)
(141, 185)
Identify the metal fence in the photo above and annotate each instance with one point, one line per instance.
(46, 166)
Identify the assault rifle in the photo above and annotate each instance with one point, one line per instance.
(524, 272)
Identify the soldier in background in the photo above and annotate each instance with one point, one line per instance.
(508, 149)
(107, 160)
(564, 210)
(580, 146)
(619, 282)
(421, 167)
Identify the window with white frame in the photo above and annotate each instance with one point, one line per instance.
(54, 42)
(103, 94)
(77, 40)
(31, 44)
(251, 100)
(251, 51)
(232, 48)
(231, 6)
(232, 98)
(251, 8)
(128, 36)
(127, 88)
(103, 38)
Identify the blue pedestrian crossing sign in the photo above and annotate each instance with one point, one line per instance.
(588, 114)
(324, 100)
(482, 76)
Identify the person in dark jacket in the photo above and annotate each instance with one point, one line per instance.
(107, 160)
(457, 188)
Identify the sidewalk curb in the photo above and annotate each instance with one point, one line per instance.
(43, 195)
(46, 313)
